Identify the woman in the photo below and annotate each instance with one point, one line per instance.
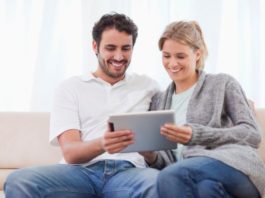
(215, 130)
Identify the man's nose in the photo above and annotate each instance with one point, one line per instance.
(118, 56)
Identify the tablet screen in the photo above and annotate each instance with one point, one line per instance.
(146, 128)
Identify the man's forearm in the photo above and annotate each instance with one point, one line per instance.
(82, 152)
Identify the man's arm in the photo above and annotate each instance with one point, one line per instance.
(76, 151)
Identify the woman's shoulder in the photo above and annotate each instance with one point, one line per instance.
(220, 78)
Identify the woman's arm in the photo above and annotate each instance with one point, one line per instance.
(244, 129)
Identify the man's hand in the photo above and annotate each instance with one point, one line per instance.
(116, 141)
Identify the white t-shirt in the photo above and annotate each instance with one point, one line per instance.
(85, 103)
(179, 104)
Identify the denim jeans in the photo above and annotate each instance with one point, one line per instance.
(204, 177)
(109, 178)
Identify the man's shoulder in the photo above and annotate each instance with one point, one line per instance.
(76, 79)
(71, 79)
(141, 78)
(70, 83)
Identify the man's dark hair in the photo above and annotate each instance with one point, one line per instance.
(120, 22)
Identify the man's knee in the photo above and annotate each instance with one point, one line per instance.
(14, 179)
(18, 183)
(142, 176)
(173, 172)
(14, 183)
(144, 181)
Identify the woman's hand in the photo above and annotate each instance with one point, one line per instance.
(178, 134)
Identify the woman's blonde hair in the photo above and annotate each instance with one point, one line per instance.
(188, 33)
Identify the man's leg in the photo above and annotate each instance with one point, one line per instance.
(53, 181)
(130, 182)
(204, 177)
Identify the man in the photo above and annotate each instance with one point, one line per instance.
(92, 165)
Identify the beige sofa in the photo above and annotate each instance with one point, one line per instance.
(24, 141)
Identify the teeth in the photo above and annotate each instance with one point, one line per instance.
(175, 70)
(117, 64)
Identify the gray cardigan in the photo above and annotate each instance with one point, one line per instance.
(223, 125)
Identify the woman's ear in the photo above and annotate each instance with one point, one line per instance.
(198, 54)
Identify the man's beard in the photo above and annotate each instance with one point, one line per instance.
(104, 67)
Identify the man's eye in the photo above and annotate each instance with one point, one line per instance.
(110, 48)
(126, 49)
(166, 56)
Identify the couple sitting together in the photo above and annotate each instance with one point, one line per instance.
(215, 131)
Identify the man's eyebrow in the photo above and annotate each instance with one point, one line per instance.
(127, 45)
(114, 46)
(110, 45)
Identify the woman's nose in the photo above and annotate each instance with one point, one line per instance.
(173, 63)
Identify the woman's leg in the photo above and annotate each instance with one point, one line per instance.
(204, 177)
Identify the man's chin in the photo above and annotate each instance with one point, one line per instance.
(119, 73)
(116, 75)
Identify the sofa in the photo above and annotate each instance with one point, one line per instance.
(24, 141)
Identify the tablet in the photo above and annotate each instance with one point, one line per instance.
(146, 128)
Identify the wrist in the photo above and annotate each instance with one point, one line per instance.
(152, 158)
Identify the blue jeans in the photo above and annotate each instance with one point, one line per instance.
(109, 178)
(204, 177)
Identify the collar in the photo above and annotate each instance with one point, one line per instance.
(90, 77)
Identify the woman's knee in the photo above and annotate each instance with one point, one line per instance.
(211, 188)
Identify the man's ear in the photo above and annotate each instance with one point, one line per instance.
(95, 46)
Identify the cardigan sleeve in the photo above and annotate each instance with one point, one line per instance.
(243, 130)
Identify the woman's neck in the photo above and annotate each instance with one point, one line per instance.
(186, 84)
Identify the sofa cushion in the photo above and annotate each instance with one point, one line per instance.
(24, 140)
